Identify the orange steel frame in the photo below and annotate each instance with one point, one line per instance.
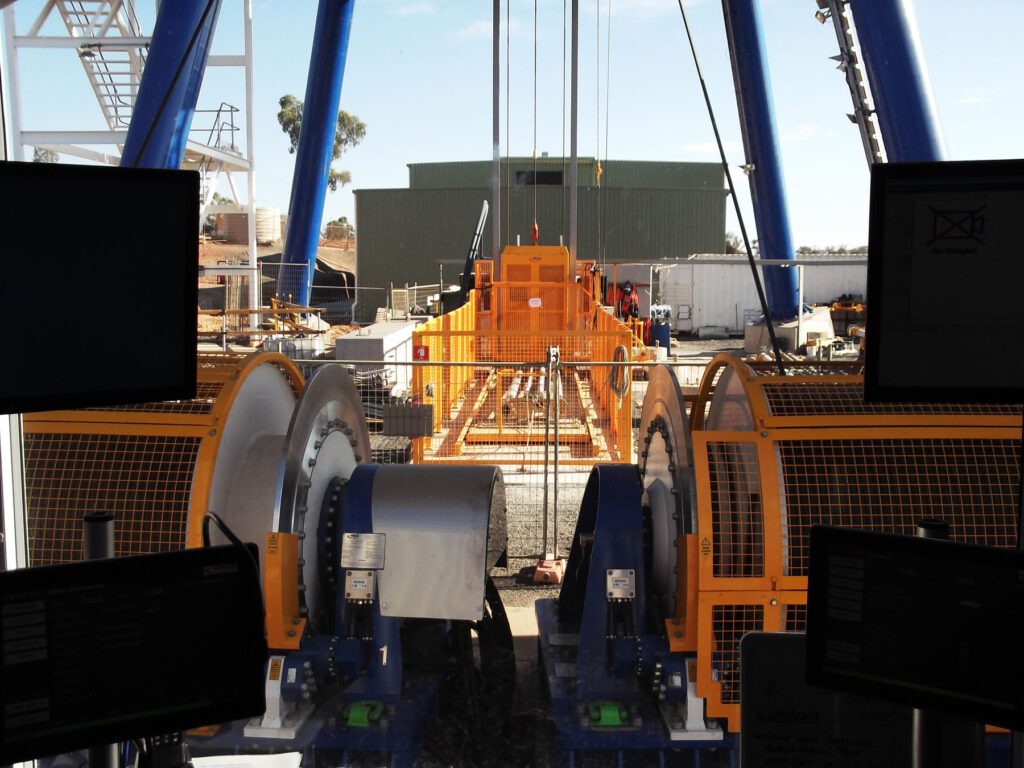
(701, 590)
(517, 321)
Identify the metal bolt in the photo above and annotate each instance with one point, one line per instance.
(296, 620)
(312, 462)
(291, 633)
(317, 445)
(213, 432)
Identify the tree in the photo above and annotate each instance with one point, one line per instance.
(350, 131)
(342, 223)
(732, 243)
(45, 156)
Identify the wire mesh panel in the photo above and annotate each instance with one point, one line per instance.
(889, 484)
(144, 480)
(794, 618)
(736, 513)
(827, 399)
(728, 625)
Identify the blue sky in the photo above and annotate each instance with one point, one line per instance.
(419, 75)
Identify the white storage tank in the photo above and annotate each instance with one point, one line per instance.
(268, 226)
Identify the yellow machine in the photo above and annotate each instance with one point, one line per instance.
(712, 539)
(345, 546)
(493, 398)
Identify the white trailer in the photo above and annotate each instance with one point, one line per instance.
(712, 290)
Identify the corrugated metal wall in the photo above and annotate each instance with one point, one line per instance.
(405, 234)
(722, 294)
(616, 173)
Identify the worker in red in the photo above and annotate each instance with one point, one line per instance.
(629, 304)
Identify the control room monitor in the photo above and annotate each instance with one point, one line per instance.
(945, 278)
(98, 285)
(109, 650)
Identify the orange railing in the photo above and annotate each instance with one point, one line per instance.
(503, 335)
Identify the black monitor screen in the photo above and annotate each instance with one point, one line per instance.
(110, 650)
(98, 285)
(945, 272)
(926, 623)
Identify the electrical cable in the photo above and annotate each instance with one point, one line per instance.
(735, 200)
(174, 80)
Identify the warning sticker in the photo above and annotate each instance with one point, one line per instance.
(275, 667)
(705, 546)
(362, 551)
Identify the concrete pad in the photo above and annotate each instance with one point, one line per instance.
(523, 621)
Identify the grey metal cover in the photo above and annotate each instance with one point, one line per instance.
(437, 522)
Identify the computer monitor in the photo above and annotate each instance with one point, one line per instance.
(98, 285)
(945, 276)
(927, 623)
(108, 650)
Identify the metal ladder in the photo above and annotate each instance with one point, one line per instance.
(113, 67)
(849, 64)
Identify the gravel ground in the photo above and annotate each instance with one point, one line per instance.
(523, 494)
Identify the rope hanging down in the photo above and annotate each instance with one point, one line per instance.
(735, 201)
(535, 230)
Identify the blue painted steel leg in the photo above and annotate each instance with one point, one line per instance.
(757, 122)
(892, 57)
(163, 110)
(316, 148)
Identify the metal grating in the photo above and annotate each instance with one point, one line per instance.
(736, 513)
(832, 399)
(887, 485)
(794, 618)
(145, 481)
(728, 624)
(810, 368)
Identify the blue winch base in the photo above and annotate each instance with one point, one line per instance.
(599, 653)
(410, 700)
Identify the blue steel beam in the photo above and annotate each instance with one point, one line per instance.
(170, 84)
(316, 148)
(757, 121)
(891, 53)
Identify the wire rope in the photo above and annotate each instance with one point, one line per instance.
(603, 253)
(597, 125)
(735, 200)
(508, 131)
(534, 230)
(565, 187)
